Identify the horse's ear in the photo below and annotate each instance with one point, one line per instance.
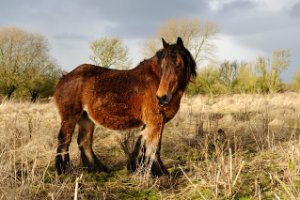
(165, 44)
(179, 43)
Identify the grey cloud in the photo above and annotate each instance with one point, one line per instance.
(71, 25)
(135, 10)
(71, 36)
(136, 18)
(238, 6)
(268, 41)
(295, 11)
(244, 18)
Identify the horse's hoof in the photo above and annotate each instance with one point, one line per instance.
(99, 167)
(62, 168)
(165, 182)
(158, 170)
(159, 173)
(102, 168)
(131, 167)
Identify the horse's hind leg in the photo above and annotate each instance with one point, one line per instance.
(85, 142)
(62, 159)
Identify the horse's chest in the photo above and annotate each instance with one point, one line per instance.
(170, 112)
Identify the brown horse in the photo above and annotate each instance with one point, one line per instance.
(148, 95)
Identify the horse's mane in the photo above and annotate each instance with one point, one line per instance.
(190, 62)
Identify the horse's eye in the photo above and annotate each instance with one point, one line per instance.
(178, 67)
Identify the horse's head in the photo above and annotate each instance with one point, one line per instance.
(176, 68)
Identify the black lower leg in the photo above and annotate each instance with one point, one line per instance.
(92, 164)
(62, 159)
(136, 157)
(158, 168)
(59, 165)
(98, 166)
(59, 162)
(62, 163)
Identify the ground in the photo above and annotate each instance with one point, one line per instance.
(224, 147)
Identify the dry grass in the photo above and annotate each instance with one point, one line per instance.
(227, 147)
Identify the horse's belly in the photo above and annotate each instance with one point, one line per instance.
(117, 121)
(114, 111)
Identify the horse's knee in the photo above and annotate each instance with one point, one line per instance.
(151, 150)
(65, 134)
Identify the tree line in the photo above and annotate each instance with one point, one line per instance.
(27, 69)
(261, 76)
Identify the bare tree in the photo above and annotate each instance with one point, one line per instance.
(109, 52)
(198, 36)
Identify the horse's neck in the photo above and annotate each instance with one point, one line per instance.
(149, 66)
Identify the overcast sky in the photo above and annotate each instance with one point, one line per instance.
(249, 28)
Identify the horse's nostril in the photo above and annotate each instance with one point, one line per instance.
(162, 98)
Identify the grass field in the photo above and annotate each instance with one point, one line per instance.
(225, 147)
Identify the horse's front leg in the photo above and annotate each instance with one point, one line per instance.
(148, 157)
(158, 168)
(153, 162)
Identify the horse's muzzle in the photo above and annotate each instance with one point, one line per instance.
(163, 100)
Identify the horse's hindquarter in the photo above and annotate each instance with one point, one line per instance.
(113, 99)
(68, 92)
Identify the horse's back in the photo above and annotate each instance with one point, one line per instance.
(68, 91)
(84, 71)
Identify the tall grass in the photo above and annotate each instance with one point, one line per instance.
(225, 147)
